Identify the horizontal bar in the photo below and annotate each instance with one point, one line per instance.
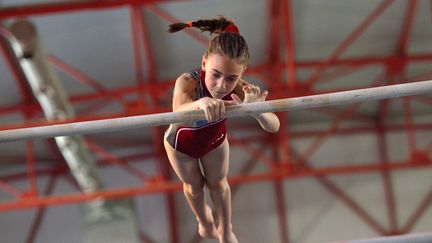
(411, 238)
(290, 104)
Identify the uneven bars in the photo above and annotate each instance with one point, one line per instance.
(289, 104)
(409, 238)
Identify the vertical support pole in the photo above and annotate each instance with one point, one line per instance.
(279, 17)
(386, 174)
(281, 157)
(164, 169)
(274, 61)
(409, 127)
(41, 212)
(31, 173)
(289, 43)
(430, 7)
(407, 26)
(148, 51)
(383, 155)
(135, 11)
(163, 165)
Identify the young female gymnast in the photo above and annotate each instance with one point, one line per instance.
(217, 84)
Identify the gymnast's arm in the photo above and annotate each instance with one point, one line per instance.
(247, 93)
(184, 92)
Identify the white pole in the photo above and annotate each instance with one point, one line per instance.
(298, 103)
(409, 238)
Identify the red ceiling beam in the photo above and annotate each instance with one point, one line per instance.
(168, 17)
(324, 135)
(409, 127)
(159, 88)
(280, 18)
(407, 26)
(288, 27)
(353, 205)
(116, 161)
(367, 60)
(70, 6)
(164, 169)
(386, 175)
(84, 79)
(359, 30)
(165, 85)
(149, 51)
(136, 29)
(420, 211)
(344, 115)
(31, 171)
(37, 221)
(281, 157)
(168, 186)
(246, 145)
(10, 189)
(146, 239)
(81, 197)
(63, 170)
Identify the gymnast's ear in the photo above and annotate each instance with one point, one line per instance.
(243, 72)
(203, 62)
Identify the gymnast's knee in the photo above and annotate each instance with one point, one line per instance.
(217, 186)
(194, 188)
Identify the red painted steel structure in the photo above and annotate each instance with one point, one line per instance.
(284, 164)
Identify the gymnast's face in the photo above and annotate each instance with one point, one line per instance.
(221, 74)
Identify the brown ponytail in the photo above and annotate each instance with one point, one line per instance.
(228, 42)
(177, 27)
(211, 25)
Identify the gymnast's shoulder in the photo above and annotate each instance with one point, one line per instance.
(185, 83)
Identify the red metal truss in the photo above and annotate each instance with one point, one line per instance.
(279, 72)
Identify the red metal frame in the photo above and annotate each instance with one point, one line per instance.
(40, 213)
(280, 77)
(349, 40)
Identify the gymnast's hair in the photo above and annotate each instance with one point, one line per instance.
(227, 42)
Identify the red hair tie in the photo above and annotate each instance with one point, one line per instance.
(232, 28)
(189, 24)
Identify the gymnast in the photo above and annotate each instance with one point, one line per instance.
(218, 83)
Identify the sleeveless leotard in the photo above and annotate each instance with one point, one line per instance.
(200, 137)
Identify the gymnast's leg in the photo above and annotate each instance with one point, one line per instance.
(215, 165)
(188, 171)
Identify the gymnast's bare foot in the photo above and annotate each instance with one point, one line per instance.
(228, 238)
(207, 229)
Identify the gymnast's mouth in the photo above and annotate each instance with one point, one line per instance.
(217, 94)
(221, 93)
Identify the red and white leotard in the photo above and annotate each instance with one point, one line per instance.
(200, 137)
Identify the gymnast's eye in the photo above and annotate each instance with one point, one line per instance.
(231, 79)
(215, 75)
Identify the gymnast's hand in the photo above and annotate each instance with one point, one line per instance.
(214, 109)
(252, 94)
